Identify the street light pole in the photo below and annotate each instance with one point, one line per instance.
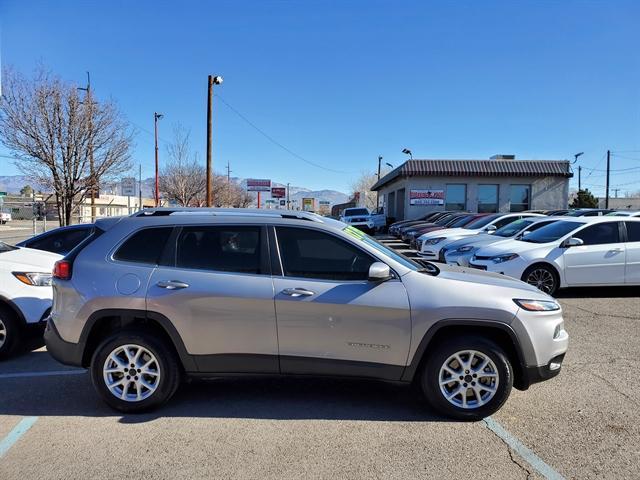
(211, 81)
(156, 116)
(378, 191)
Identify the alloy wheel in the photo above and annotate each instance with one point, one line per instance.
(131, 373)
(542, 279)
(3, 333)
(468, 379)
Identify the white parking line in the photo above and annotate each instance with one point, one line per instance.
(14, 435)
(42, 374)
(531, 458)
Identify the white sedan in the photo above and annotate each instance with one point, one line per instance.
(571, 252)
(430, 244)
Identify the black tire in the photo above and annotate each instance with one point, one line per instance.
(170, 372)
(430, 378)
(12, 333)
(540, 269)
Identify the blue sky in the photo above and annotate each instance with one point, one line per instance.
(341, 82)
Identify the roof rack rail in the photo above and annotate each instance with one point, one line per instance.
(254, 212)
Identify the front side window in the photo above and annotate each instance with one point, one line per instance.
(220, 248)
(315, 254)
(633, 231)
(144, 246)
(520, 198)
(599, 234)
(487, 198)
(456, 197)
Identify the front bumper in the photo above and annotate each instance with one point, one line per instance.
(64, 352)
(546, 372)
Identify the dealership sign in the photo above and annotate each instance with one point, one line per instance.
(278, 192)
(258, 185)
(426, 197)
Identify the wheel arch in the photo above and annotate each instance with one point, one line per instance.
(11, 306)
(104, 322)
(500, 333)
(554, 268)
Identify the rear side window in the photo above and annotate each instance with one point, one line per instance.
(223, 249)
(61, 242)
(144, 246)
(633, 231)
(600, 233)
(314, 254)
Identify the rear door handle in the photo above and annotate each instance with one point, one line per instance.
(616, 250)
(172, 284)
(297, 292)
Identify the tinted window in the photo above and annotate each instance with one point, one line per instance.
(599, 234)
(223, 249)
(633, 231)
(487, 198)
(356, 211)
(61, 242)
(314, 254)
(520, 198)
(481, 222)
(461, 221)
(144, 246)
(551, 232)
(512, 228)
(504, 221)
(456, 197)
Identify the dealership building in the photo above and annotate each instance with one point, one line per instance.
(499, 184)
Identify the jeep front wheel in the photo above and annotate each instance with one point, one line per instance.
(134, 371)
(467, 378)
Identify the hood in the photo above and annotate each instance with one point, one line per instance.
(28, 259)
(481, 277)
(475, 240)
(450, 232)
(508, 246)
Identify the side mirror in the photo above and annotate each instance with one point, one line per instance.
(572, 242)
(490, 229)
(379, 272)
(526, 232)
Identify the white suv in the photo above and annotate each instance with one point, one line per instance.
(25, 294)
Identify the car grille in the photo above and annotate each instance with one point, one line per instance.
(481, 257)
(358, 219)
(478, 267)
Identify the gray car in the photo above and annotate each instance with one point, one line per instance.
(150, 299)
(461, 251)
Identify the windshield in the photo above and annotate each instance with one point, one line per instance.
(551, 232)
(482, 221)
(510, 229)
(459, 222)
(355, 211)
(364, 238)
(5, 247)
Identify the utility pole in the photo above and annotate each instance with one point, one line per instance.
(378, 191)
(615, 192)
(92, 180)
(211, 81)
(156, 116)
(606, 199)
(228, 172)
(288, 201)
(579, 178)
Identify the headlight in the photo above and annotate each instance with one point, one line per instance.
(433, 241)
(504, 258)
(36, 279)
(537, 305)
(464, 249)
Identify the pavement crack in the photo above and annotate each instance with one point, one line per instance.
(512, 457)
(614, 387)
(602, 314)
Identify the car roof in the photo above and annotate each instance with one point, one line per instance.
(600, 219)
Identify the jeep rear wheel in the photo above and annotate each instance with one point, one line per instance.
(134, 371)
(467, 378)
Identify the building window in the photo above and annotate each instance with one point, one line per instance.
(487, 198)
(520, 198)
(456, 197)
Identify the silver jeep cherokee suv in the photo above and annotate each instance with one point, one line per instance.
(167, 293)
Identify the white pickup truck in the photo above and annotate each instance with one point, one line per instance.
(363, 219)
(5, 216)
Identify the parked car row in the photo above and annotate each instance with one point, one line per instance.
(586, 247)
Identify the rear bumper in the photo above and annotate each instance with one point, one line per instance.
(64, 352)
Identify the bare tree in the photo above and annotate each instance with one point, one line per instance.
(45, 123)
(362, 186)
(228, 193)
(183, 179)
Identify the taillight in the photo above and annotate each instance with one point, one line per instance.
(62, 270)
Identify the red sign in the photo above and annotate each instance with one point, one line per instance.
(426, 197)
(258, 185)
(278, 192)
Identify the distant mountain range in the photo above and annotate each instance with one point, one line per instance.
(12, 184)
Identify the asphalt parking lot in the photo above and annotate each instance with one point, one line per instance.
(583, 424)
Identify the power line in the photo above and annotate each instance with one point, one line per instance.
(275, 142)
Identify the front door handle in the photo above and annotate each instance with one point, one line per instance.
(172, 284)
(297, 292)
(616, 250)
